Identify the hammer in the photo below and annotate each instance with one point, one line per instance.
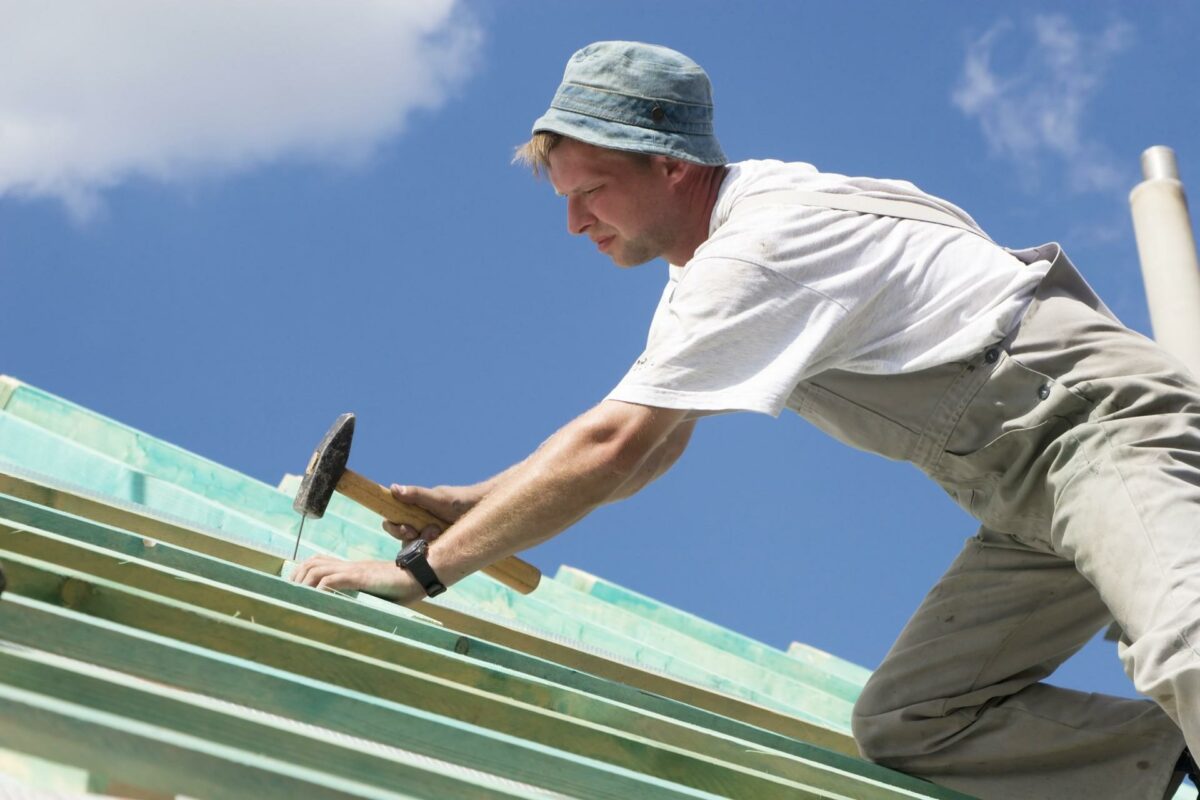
(327, 472)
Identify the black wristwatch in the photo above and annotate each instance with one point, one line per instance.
(411, 558)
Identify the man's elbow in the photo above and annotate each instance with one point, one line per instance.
(621, 437)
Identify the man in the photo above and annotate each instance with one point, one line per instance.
(887, 318)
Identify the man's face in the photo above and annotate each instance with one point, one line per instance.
(621, 202)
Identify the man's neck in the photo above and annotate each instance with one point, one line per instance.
(699, 197)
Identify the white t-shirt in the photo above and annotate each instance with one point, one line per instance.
(781, 293)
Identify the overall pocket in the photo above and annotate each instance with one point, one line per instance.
(997, 457)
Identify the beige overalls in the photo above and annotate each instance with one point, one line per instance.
(1076, 444)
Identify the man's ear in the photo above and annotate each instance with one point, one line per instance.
(671, 168)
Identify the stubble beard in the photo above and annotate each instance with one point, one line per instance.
(640, 250)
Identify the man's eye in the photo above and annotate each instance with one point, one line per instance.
(592, 190)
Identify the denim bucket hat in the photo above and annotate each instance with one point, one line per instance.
(638, 97)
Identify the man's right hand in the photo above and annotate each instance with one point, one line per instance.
(444, 502)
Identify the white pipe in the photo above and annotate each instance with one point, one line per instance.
(1167, 250)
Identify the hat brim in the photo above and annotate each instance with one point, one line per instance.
(613, 135)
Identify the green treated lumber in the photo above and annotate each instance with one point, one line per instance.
(162, 461)
(679, 700)
(252, 731)
(316, 626)
(196, 564)
(687, 702)
(837, 676)
(16, 514)
(534, 611)
(62, 499)
(570, 615)
(840, 745)
(160, 759)
(146, 655)
(8, 385)
(813, 698)
(131, 447)
(195, 669)
(342, 635)
(193, 557)
(821, 659)
(42, 451)
(45, 452)
(557, 722)
(35, 624)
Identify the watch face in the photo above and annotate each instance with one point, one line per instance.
(414, 549)
(412, 559)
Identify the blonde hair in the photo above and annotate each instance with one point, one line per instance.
(535, 153)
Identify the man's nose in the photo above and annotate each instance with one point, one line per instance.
(578, 217)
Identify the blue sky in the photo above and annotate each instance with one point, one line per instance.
(224, 224)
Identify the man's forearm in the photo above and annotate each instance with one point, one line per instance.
(576, 470)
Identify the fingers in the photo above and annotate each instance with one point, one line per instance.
(406, 533)
(326, 572)
(312, 571)
(415, 495)
(442, 501)
(381, 578)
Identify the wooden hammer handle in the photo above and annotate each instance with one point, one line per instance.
(511, 571)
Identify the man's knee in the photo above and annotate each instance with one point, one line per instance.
(876, 727)
(871, 734)
(901, 733)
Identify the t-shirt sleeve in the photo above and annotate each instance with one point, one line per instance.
(732, 335)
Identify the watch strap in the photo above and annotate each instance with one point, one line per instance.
(412, 559)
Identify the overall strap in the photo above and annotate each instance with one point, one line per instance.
(901, 209)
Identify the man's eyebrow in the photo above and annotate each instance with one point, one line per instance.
(583, 187)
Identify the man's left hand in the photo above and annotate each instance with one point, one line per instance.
(380, 578)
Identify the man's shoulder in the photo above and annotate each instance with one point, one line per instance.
(748, 179)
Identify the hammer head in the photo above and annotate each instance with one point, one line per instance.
(325, 468)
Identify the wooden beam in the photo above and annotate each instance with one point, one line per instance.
(495, 643)
(8, 385)
(568, 615)
(805, 694)
(159, 759)
(145, 523)
(129, 570)
(785, 695)
(833, 675)
(545, 714)
(175, 479)
(47, 453)
(252, 731)
(105, 644)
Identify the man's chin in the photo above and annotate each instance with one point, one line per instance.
(626, 260)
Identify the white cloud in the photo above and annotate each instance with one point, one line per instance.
(96, 91)
(1038, 108)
